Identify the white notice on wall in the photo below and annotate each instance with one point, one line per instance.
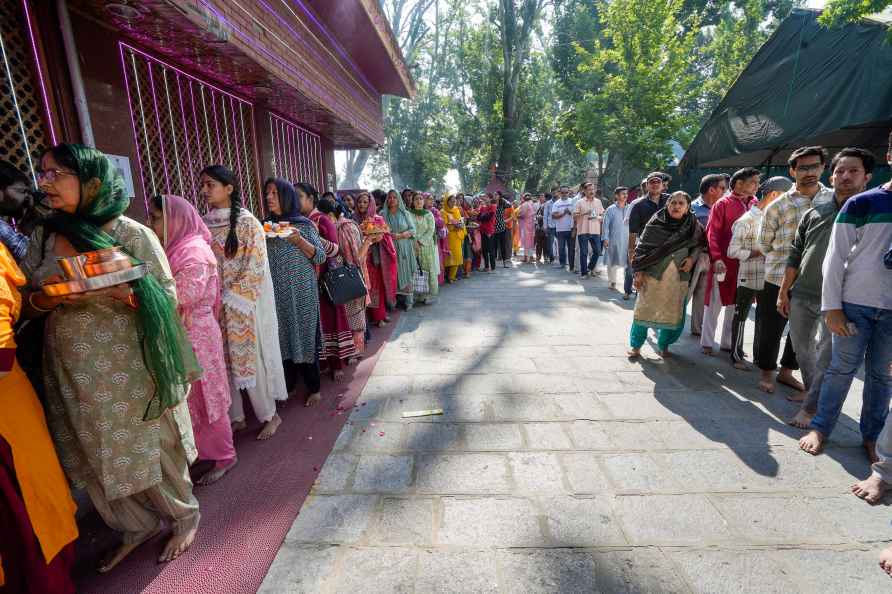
(123, 165)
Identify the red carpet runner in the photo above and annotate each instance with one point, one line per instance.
(246, 515)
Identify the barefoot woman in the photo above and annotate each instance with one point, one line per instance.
(116, 362)
(664, 257)
(187, 243)
(248, 318)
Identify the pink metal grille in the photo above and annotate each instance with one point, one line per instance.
(182, 124)
(297, 153)
(23, 105)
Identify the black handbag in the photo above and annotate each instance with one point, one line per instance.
(343, 284)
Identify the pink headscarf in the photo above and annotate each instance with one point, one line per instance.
(186, 239)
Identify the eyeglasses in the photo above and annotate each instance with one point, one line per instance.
(50, 175)
(810, 168)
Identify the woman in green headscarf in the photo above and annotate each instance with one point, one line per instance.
(402, 228)
(117, 361)
(426, 247)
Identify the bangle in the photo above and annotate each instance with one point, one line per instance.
(35, 306)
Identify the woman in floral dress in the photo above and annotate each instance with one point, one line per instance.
(117, 361)
(248, 316)
(187, 243)
(353, 249)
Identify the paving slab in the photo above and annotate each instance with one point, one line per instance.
(560, 466)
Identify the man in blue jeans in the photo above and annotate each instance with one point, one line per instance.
(562, 215)
(588, 215)
(857, 307)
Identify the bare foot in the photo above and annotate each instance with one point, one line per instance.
(177, 545)
(742, 366)
(785, 377)
(766, 382)
(802, 420)
(239, 426)
(313, 399)
(812, 442)
(707, 351)
(870, 489)
(269, 428)
(215, 474)
(796, 397)
(886, 560)
(118, 555)
(665, 354)
(634, 353)
(870, 447)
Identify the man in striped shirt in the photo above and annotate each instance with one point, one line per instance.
(857, 305)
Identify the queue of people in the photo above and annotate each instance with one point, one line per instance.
(119, 391)
(814, 259)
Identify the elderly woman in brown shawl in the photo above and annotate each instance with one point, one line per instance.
(664, 257)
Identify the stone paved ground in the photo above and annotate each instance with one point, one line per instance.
(561, 466)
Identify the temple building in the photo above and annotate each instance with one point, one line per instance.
(167, 87)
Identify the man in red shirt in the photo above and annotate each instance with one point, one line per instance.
(721, 284)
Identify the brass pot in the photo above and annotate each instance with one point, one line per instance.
(106, 261)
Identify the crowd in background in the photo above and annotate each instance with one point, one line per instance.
(119, 391)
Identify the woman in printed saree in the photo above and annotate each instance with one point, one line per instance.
(187, 243)
(117, 361)
(337, 337)
(402, 229)
(441, 234)
(455, 225)
(426, 248)
(37, 527)
(353, 249)
(380, 261)
(663, 259)
(292, 262)
(526, 224)
(248, 316)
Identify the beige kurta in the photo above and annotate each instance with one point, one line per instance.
(97, 384)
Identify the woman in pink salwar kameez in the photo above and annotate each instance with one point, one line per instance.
(527, 222)
(187, 242)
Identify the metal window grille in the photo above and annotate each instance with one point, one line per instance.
(182, 124)
(297, 153)
(23, 135)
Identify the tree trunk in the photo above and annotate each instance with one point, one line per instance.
(516, 34)
(356, 161)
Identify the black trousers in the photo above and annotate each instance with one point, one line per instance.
(489, 251)
(742, 306)
(503, 244)
(540, 244)
(308, 372)
(571, 251)
(769, 330)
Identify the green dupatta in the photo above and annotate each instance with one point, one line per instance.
(166, 348)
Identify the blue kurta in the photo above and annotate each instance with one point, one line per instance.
(616, 233)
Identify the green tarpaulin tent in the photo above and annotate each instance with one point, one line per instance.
(807, 85)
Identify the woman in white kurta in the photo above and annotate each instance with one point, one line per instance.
(248, 318)
(615, 236)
